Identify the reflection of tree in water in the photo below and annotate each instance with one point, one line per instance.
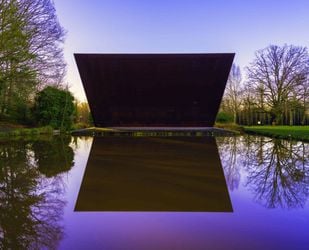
(53, 157)
(229, 154)
(30, 204)
(278, 171)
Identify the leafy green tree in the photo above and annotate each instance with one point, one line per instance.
(83, 115)
(31, 54)
(17, 77)
(54, 107)
(223, 117)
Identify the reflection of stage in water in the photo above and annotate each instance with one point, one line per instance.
(154, 174)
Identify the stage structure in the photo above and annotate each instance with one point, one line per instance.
(154, 90)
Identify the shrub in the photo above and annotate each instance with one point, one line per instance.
(224, 117)
(54, 107)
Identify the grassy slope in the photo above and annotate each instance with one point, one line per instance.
(15, 130)
(284, 132)
(230, 126)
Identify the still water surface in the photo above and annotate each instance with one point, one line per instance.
(242, 192)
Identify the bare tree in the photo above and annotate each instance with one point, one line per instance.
(46, 37)
(231, 100)
(302, 94)
(279, 72)
(248, 105)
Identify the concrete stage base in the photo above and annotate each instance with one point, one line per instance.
(153, 131)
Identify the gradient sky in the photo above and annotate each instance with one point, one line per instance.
(184, 26)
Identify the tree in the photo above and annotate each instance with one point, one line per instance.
(54, 107)
(46, 37)
(277, 73)
(83, 115)
(17, 77)
(303, 97)
(31, 53)
(231, 100)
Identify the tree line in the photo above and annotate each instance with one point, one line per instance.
(275, 91)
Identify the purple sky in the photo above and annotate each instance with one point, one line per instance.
(184, 26)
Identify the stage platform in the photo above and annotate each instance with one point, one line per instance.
(153, 131)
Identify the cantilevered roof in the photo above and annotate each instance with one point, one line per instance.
(154, 89)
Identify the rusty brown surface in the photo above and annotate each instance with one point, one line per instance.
(154, 89)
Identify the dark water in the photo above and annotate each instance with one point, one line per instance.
(154, 193)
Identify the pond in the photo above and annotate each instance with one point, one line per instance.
(243, 192)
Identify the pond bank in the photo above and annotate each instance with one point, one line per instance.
(9, 132)
(300, 133)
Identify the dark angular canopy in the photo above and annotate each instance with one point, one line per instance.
(175, 90)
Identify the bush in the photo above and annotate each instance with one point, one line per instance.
(80, 125)
(46, 130)
(223, 117)
(54, 107)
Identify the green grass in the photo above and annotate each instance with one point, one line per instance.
(18, 132)
(284, 132)
(230, 126)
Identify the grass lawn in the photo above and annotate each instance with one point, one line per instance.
(284, 132)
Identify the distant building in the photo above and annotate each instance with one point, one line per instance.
(170, 90)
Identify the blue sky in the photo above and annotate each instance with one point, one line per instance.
(184, 26)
